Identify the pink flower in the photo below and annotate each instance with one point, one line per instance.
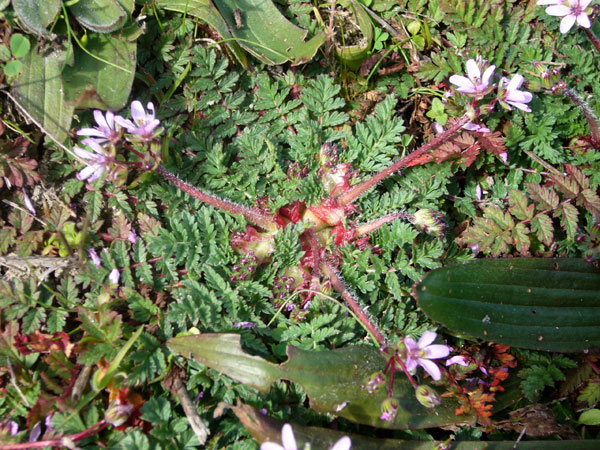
(511, 95)
(476, 127)
(420, 353)
(474, 83)
(571, 11)
(114, 276)
(94, 256)
(143, 123)
(288, 441)
(461, 360)
(106, 131)
(97, 163)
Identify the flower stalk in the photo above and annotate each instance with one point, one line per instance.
(358, 190)
(339, 286)
(254, 215)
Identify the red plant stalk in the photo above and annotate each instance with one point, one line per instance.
(254, 215)
(359, 189)
(62, 442)
(593, 38)
(339, 286)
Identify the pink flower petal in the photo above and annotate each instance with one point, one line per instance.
(583, 4)
(100, 120)
(515, 83)
(584, 20)
(343, 444)
(461, 360)
(83, 153)
(566, 23)
(287, 438)
(271, 446)
(487, 75)
(473, 71)
(431, 368)
(90, 132)
(86, 173)
(427, 338)
(461, 82)
(437, 351)
(558, 10)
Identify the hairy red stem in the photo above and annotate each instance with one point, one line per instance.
(359, 189)
(253, 215)
(58, 442)
(338, 285)
(593, 38)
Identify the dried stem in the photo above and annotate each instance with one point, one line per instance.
(62, 442)
(358, 190)
(339, 286)
(253, 215)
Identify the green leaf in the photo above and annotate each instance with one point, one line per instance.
(541, 224)
(157, 411)
(206, 11)
(36, 15)
(39, 90)
(103, 376)
(353, 55)
(331, 378)
(102, 16)
(13, 68)
(264, 31)
(4, 53)
(518, 206)
(103, 83)
(535, 303)
(19, 45)
(590, 417)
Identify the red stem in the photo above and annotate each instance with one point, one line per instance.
(367, 228)
(253, 215)
(595, 368)
(358, 190)
(58, 442)
(593, 38)
(338, 285)
(405, 370)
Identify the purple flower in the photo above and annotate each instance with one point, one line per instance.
(114, 276)
(97, 163)
(14, 428)
(571, 11)
(288, 441)
(474, 83)
(420, 353)
(95, 257)
(511, 95)
(106, 131)
(143, 123)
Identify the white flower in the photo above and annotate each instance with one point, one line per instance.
(97, 162)
(106, 131)
(511, 95)
(143, 123)
(114, 276)
(474, 83)
(420, 353)
(288, 441)
(571, 11)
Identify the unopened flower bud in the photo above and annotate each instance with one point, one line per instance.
(118, 413)
(427, 396)
(389, 409)
(428, 221)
